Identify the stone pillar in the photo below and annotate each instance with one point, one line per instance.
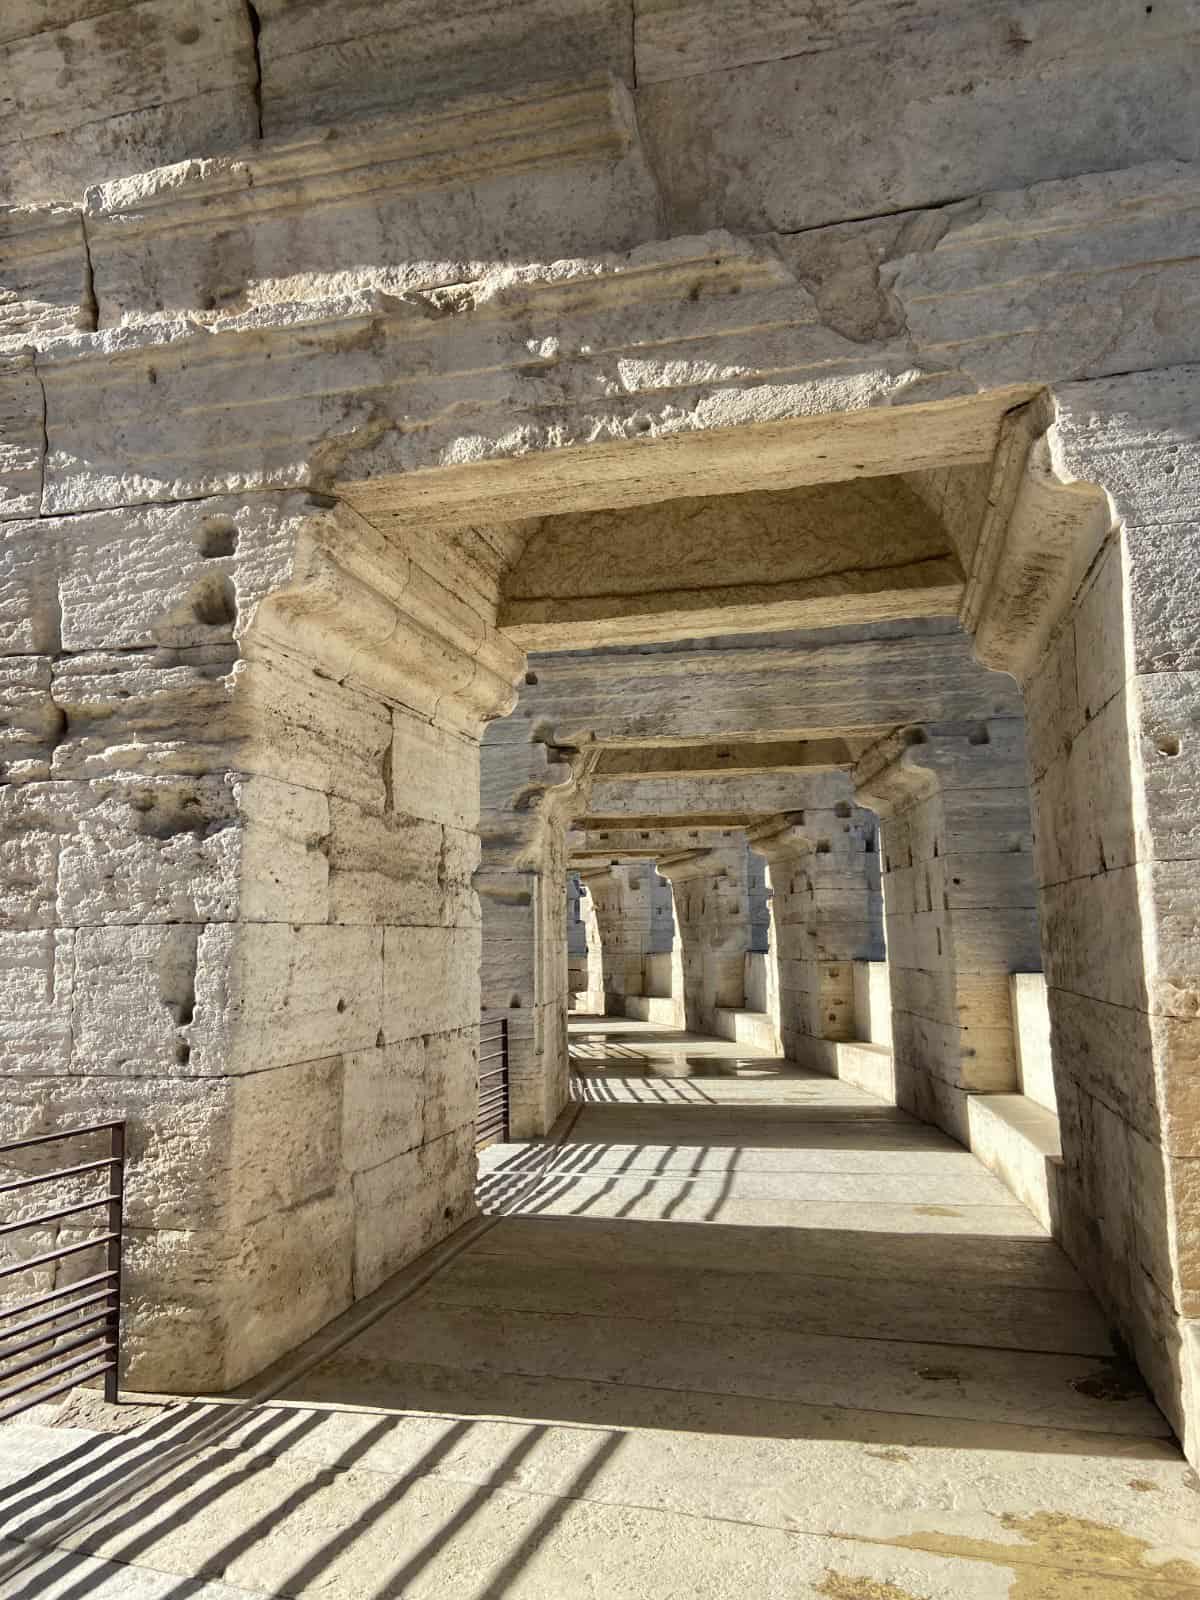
(1092, 603)
(593, 992)
(825, 915)
(522, 885)
(577, 941)
(239, 827)
(960, 907)
(623, 900)
(712, 920)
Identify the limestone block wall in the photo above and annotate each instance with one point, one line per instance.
(960, 908)
(234, 848)
(107, 87)
(1114, 751)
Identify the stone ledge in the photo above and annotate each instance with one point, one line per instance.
(1019, 1141)
(747, 1027)
(652, 1008)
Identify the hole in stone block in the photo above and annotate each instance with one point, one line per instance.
(979, 734)
(341, 1005)
(1167, 745)
(531, 678)
(214, 602)
(217, 538)
(842, 809)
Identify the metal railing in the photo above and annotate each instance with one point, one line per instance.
(80, 1337)
(491, 1124)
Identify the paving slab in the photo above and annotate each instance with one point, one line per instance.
(783, 1341)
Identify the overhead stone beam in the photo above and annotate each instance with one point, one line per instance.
(621, 844)
(740, 795)
(638, 762)
(819, 687)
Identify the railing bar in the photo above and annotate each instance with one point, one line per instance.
(494, 1096)
(8, 1351)
(53, 1216)
(59, 1172)
(52, 1138)
(56, 1314)
(56, 1255)
(40, 1361)
(55, 1294)
(113, 1260)
(59, 1388)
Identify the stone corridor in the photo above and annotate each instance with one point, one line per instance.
(736, 1328)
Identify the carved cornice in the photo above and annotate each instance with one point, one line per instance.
(782, 837)
(1041, 532)
(919, 760)
(371, 613)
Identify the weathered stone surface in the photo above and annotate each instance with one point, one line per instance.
(329, 61)
(400, 1096)
(44, 283)
(983, 104)
(36, 977)
(413, 1004)
(851, 553)
(98, 91)
(811, 686)
(280, 1278)
(22, 437)
(397, 870)
(433, 773)
(630, 349)
(396, 207)
(410, 1202)
(270, 993)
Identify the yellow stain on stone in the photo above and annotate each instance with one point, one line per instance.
(1069, 1558)
(842, 1586)
(937, 1211)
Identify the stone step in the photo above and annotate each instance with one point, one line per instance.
(866, 1066)
(753, 1028)
(1018, 1140)
(651, 1008)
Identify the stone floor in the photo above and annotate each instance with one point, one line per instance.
(743, 1331)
